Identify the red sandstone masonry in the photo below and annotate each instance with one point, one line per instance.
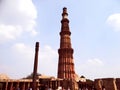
(65, 64)
(107, 84)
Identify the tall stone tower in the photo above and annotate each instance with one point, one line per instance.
(65, 64)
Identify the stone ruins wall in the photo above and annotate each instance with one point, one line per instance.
(107, 84)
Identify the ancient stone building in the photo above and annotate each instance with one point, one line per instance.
(66, 63)
(107, 84)
(66, 74)
(12, 84)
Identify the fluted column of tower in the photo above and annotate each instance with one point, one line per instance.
(65, 64)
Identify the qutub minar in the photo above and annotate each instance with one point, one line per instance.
(66, 63)
(66, 79)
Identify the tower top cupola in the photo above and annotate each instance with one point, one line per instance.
(64, 14)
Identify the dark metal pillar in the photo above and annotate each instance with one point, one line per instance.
(34, 86)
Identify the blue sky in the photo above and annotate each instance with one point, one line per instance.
(95, 28)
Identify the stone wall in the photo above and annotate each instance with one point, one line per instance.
(10, 84)
(107, 84)
(118, 83)
(98, 84)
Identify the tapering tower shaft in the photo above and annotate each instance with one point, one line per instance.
(65, 64)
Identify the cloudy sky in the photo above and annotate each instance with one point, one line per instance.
(95, 28)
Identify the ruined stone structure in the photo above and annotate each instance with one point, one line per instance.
(10, 84)
(42, 83)
(65, 64)
(107, 84)
(66, 74)
(118, 83)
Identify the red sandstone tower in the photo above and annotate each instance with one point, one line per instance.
(65, 64)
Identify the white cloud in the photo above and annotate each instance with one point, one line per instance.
(23, 50)
(47, 50)
(91, 68)
(17, 16)
(48, 61)
(9, 32)
(95, 62)
(24, 56)
(114, 21)
(4, 68)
